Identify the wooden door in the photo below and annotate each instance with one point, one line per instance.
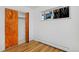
(11, 28)
(27, 27)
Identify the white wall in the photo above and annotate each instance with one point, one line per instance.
(2, 29)
(61, 33)
(31, 24)
(2, 22)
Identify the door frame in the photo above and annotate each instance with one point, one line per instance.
(27, 27)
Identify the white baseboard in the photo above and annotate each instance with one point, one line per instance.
(53, 45)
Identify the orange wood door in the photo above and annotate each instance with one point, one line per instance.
(11, 28)
(27, 27)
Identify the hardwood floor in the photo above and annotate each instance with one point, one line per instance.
(33, 46)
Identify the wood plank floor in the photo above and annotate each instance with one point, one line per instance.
(33, 46)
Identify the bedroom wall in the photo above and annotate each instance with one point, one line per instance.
(61, 33)
(2, 29)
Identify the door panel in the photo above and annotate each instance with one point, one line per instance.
(11, 28)
(27, 27)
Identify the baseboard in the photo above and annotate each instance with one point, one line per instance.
(53, 45)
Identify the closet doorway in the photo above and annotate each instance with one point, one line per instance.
(21, 27)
